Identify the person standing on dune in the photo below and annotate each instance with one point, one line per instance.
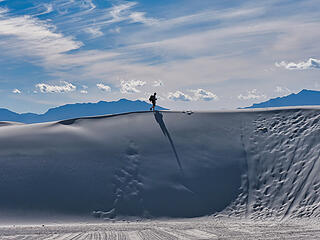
(153, 99)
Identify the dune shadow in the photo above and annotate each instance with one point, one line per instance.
(159, 118)
(67, 122)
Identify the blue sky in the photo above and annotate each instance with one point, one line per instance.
(199, 55)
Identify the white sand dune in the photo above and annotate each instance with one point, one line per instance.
(7, 123)
(254, 164)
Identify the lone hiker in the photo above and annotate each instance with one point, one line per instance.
(153, 99)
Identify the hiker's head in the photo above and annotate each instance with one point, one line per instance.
(155, 93)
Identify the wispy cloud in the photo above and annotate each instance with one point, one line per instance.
(131, 86)
(30, 36)
(88, 4)
(238, 36)
(119, 12)
(46, 88)
(80, 59)
(48, 8)
(312, 63)
(212, 15)
(104, 87)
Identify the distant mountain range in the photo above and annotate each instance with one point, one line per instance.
(77, 110)
(303, 98)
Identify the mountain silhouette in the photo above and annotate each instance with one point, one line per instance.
(77, 110)
(303, 98)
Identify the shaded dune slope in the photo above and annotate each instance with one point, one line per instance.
(245, 163)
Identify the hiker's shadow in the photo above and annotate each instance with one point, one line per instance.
(159, 118)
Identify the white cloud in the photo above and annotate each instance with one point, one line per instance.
(139, 17)
(201, 94)
(122, 12)
(49, 8)
(282, 90)
(94, 32)
(115, 30)
(158, 83)
(103, 87)
(198, 94)
(252, 94)
(46, 88)
(311, 63)
(3, 10)
(179, 96)
(118, 12)
(131, 86)
(17, 91)
(84, 91)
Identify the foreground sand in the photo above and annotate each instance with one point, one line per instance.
(203, 228)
